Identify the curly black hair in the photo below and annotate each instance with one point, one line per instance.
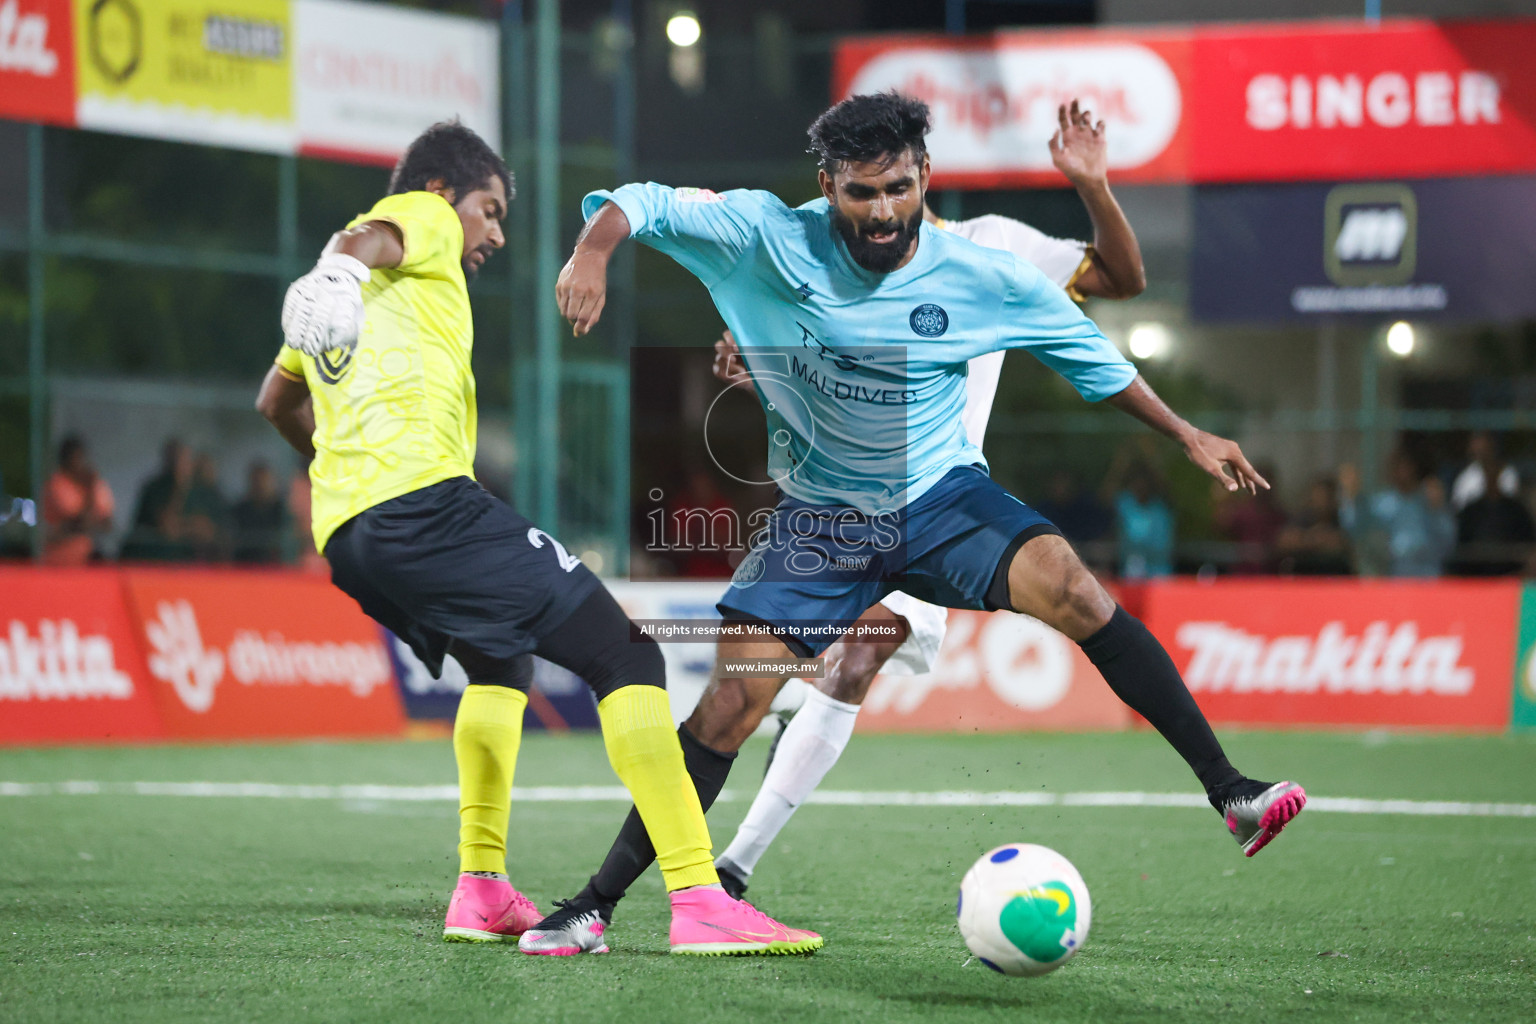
(449, 151)
(865, 128)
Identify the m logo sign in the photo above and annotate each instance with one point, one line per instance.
(1370, 235)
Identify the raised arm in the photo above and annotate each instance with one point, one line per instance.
(706, 232)
(582, 288)
(323, 310)
(1219, 457)
(1079, 151)
(374, 244)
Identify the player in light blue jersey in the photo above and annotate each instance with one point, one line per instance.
(856, 320)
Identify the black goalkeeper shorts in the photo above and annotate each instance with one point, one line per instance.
(453, 562)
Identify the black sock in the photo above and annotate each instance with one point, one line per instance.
(1140, 672)
(632, 851)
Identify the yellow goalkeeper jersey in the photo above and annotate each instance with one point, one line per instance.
(396, 412)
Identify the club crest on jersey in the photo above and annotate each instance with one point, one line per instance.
(929, 320)
(749, 571)
(333, 365)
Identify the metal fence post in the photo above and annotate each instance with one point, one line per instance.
(546, 433)
(37, 370)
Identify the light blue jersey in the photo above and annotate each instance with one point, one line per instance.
(862, 375)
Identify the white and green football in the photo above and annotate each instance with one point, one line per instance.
(1023, 910)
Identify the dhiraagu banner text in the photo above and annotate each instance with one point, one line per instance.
(209, 71)
(1525, 662)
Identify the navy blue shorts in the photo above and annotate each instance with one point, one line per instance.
(818, 567)
(451, 562)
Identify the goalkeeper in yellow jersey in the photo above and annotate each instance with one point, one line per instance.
(374, 382)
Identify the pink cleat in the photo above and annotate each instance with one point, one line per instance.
(487, 910)
(707, 922)
(1256, 819)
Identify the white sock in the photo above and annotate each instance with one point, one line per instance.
(810, 746)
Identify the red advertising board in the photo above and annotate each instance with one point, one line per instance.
(1233, 103)
(994, 98)
(70, 665)
(1410, 99)
(248, 655)
(37, 61)
(1433, 653)
(996, 673)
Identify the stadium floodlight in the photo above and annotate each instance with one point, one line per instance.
(1400, 339)
(1149, 340)
(683, 29)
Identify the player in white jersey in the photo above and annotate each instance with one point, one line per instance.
(823, 716)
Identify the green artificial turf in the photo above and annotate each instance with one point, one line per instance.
(157, 908)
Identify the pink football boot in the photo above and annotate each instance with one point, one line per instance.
(487, 910)
(707, 922)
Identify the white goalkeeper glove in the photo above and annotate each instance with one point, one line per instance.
(323, 310)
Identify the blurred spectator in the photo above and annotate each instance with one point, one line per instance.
(1080, 516)
(259, 520)
(1143, 519)
(1314, 544)
(159, 524)
(1485, 451)
(1403, 530)
(1494, 532)
(77, 507)
(206, 512)
(703, 529)
(1253, 522)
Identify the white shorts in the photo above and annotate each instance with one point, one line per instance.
(917, 655)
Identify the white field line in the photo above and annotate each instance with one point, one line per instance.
(874, 798)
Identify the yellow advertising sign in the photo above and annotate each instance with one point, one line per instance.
(214, 71)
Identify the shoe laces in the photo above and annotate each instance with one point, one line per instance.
(757, 915)
(568, 911)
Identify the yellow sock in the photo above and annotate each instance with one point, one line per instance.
(486, 734)
(643, 749)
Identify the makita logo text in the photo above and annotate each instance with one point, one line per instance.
(59, 664)
(1382, 659)
(24, 42)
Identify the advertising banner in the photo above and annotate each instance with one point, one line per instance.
(37, 61)
(1405, 98)
(247, 655)
(559, 700)
(996, 673)
(211, 71)
(688, 665)
(70, 665)
(1525, 662)
(1231, 103)
(994, 99)
(1434, 654)
(369, 77)
(1457, 248)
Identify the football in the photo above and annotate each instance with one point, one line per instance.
(1023, 909)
